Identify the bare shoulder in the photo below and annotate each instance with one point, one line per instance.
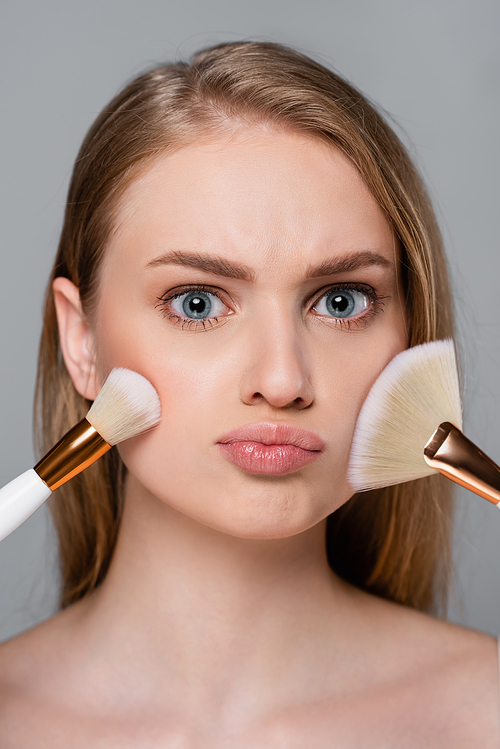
(407, 680)
(24, 656)
(29, 663)
(444, 678)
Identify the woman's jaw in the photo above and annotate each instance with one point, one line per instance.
(265, 230)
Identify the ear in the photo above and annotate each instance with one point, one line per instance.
(77, 339)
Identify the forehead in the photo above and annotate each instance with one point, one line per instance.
(255, 196)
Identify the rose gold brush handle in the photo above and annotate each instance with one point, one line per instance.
(456, 457)
(78, 449)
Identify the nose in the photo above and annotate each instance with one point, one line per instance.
(276, 370)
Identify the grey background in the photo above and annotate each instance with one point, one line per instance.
(433, 64)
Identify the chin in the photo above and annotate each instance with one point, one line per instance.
(269, 511)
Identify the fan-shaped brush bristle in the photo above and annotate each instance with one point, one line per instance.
(416, 392)
(127, 405)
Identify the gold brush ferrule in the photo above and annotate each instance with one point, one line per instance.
(452, 454)
(78, 449)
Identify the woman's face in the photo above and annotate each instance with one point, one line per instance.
(252, 280)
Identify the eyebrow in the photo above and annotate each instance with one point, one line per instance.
(222, 267)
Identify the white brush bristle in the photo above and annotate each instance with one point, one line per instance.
(416, 392)
(127, 405)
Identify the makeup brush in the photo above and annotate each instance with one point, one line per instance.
(410, 426)
(127, 405)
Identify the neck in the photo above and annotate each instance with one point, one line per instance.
(214, 609)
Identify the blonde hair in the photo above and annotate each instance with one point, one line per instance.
(394, 542)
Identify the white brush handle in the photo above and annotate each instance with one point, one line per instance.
(20, 499)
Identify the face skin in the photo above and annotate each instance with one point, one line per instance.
(278, 205)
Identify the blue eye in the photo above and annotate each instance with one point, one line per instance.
(343, 303)
(197, 305)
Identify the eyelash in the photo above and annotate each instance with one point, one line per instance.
(186, 323)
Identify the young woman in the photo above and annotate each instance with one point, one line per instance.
(247, 233)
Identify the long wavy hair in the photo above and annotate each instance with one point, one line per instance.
(394, 542)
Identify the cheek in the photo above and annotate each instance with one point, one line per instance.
(190, 375)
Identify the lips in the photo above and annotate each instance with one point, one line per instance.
(272, 449)
(274, 434)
